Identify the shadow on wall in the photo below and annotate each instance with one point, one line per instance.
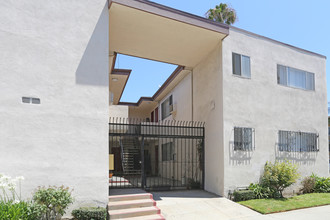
(93, 67)
(239, 157)
(297, 157)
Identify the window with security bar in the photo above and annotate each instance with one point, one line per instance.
(243, 139)
(293, 141)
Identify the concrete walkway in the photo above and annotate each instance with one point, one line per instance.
(198, 204)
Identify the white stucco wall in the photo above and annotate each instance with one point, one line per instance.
(262, 104)
(181, 95)
(207, 107)
(56, 51)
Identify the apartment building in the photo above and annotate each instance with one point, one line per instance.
(258, 99)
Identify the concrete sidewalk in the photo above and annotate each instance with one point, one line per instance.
(199, 204)
(317, 213)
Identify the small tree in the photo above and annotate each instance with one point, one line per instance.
(222, 13)
(279, 176)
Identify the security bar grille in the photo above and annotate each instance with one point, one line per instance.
(243, 139)
(293, 141)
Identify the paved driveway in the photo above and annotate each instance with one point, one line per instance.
(198, 204)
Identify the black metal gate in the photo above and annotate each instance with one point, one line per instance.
(156, 155)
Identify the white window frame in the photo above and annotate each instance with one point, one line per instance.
(287, 78)
(241, 66)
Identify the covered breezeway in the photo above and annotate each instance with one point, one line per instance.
(152, 31)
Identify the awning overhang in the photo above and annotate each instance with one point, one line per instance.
(148, 30)
(117, 82)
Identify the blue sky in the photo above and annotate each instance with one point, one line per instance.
(300, 23)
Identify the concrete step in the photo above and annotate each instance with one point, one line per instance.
(130, 197)
(131, 204)
(148, 217)
(133, 212)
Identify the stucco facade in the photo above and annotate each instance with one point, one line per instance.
(223, 101)
(56, 51)
(261, 103)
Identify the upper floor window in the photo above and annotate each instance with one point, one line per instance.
(167, 107)
(295, 78)
(243, 139)
(241, 65)
(297, 141)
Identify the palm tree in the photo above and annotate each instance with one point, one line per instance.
(222, 13)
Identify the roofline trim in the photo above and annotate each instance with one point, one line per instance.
(142, 99)
(276, 41)
(125, 72)
(168, 81)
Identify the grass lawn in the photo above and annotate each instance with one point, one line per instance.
(266, 206)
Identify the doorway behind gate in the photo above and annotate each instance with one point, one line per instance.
(161, 155)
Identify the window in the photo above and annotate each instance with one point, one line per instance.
(168, 151)
(167, 107)
(30, 100)
(297, 141)
(243, 139)
(241, 65)
(295, 78)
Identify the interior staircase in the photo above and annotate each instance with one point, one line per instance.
(131, 156)
(134, 207)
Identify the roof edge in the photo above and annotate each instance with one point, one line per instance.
(276, 41)
(125, 72)
(142, 99)
(122, 72)
(168, 81)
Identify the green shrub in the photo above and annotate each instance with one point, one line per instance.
(322, 184)
(261, 192)
(308, 184)
(53, 200)
(242, 195)
(90, 213)
(19, 211)
(279, 176)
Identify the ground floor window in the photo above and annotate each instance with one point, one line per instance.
(297, 141)
(243, 139)
(168, 151)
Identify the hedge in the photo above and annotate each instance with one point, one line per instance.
(90, 213)
(243, 195)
